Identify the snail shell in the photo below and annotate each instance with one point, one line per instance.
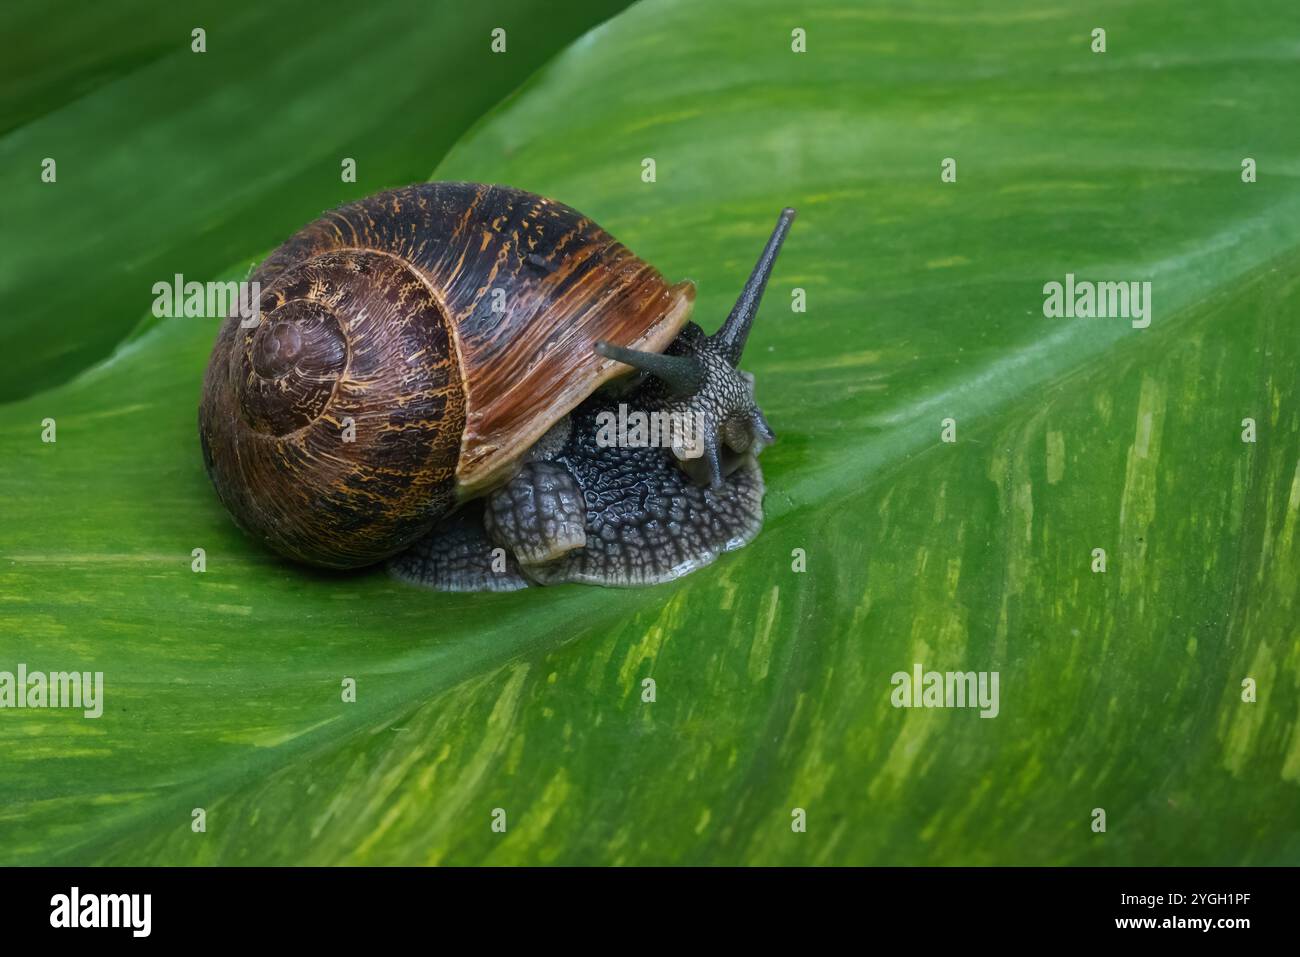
(446, 325)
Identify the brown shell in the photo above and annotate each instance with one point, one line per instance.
(526, 354)
(344, 336)
(453, 323)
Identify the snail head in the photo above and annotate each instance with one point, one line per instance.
(699, 380)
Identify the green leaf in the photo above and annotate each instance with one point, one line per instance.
(1119, 690)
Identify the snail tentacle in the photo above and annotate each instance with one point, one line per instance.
(735, 331)
(681, 374)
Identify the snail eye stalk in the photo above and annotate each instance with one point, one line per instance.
(731, 337)
(682, 374)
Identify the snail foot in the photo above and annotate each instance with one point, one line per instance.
(458, 556)
(538, 515)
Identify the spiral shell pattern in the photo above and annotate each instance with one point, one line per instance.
(331, 428)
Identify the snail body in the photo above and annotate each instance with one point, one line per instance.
(422, 383)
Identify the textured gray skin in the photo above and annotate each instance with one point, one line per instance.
(457, 556)
(579, 512)
(539, 515)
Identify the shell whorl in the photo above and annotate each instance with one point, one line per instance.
(290, 366)
(332, 427)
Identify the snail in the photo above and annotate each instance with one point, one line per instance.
(427, 380)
